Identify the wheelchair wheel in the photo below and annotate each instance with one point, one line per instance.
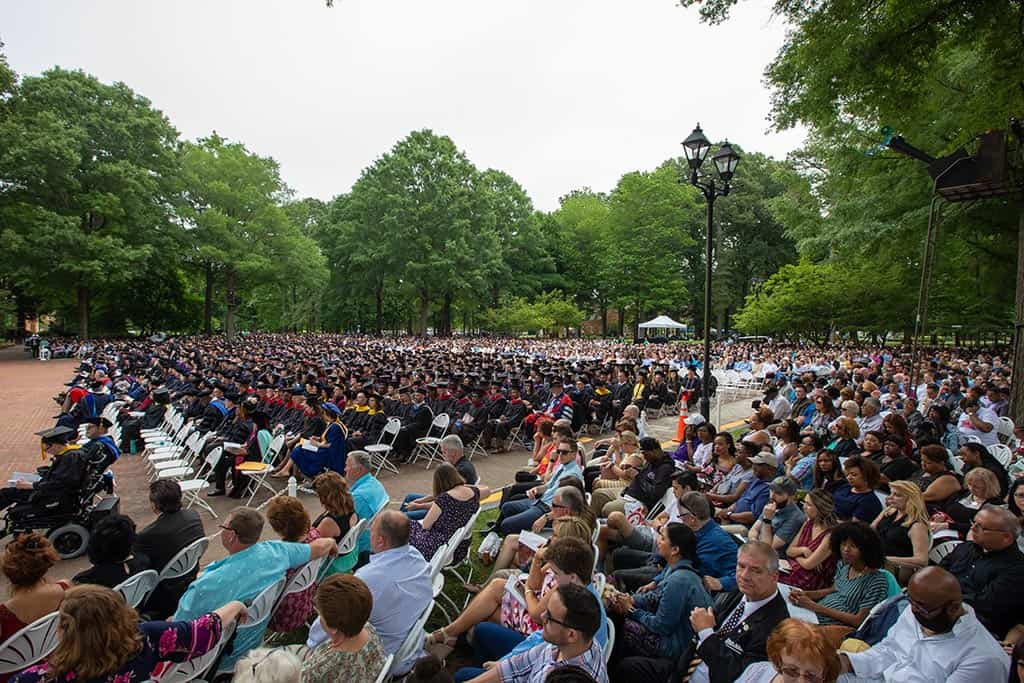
(69, 540)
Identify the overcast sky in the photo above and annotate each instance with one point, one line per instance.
(561, 94)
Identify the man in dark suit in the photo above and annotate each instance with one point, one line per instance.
(158, 543)
(735, 634)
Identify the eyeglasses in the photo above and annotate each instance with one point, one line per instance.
(546, 617)
(978, 527)
(227, 528)
(794, 672)
(559, 506)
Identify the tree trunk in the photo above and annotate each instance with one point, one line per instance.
(378, 294)
(83, 312)
(424, 311)
(622, 321)
(229, 318)
(604, 319)
(208, 302)
(1017, 383)
(636, 322)
(446, 316)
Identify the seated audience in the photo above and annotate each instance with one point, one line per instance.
(352, 652)
(976, 455)
(27, 559)
(653, 623)
(858, 499)
(250, 567)
(454, 503)
(103, 641)
(262, 665)
(430, 669)
(571, 561)
(958, 515)
(734, 634)
(1015, 503)
(844, 437)
(828, 473)
(796, 651)
(416, 505)
(738, 517)
(368, 494)
(399, 580)
(781, 517)
(990, 569)
(811, 563)
(894, 463)
(571, 619)
(290, 521)
(858, 586)
(938, 482)
(801, 465)
(733, 470)
(648, 485)
(110, 552)
(519, 515)
(172, 531)
(338, 517)
(937, 638)
(903, 528)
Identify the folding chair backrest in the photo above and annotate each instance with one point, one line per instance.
(437, 562)
(302, 579)
(29, 645)
(1002, 453)
(348, 543)
(413, 640)
(610, 643)
(276, 444)
(185, 561)
(136, 588)
(439, 423)
(390, 431)
(385, 670)
(936, 555)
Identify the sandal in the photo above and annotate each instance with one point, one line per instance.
(441, 637)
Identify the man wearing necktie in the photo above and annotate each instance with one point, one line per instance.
(747, 617)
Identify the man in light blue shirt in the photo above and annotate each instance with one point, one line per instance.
(249, 568)
(367, 493)
(399, 580)
(519, 515)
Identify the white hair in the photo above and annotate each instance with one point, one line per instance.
(263, 665)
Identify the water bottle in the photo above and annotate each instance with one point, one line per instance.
(293, 486)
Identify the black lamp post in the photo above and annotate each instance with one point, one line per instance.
(696, 148)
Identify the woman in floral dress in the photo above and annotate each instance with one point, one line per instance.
(102, 640)
(454, 503)
(352, 652)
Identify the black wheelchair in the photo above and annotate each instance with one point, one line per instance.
(69, 520)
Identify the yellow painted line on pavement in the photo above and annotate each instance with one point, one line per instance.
(731, 425)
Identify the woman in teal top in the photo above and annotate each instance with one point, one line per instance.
(860, 582)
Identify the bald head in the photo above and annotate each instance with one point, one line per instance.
(934, 586)
(390, 529)
(759, 437)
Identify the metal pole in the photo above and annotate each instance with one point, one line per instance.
(927, 262)
(705, 397)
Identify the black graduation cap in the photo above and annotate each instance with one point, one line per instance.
(58, 434)
(97, 420)
(297, 390)
(232, 396)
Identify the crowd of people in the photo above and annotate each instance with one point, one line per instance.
(788, 549)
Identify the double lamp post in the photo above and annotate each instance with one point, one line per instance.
(696, 148)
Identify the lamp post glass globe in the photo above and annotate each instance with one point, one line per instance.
(726, 160)
(696, 148)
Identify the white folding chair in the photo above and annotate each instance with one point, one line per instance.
(385, 671)
(259, 613)
(185, 561)
(380, 451)
(936, 554)
(192, 489)
(1002, 453)
(30, 645)
(305, 577)
(137, 588)
(431, 445)
(610, 643)
(1005, 429)
(257, 473)
(413, 642)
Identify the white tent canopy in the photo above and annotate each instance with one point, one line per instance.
(662, 322)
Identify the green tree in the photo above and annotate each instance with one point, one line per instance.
(87, 175)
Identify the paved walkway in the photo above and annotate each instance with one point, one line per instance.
(26, 388)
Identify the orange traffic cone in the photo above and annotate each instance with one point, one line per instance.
(681, 429)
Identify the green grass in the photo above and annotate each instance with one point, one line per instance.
(452, 586)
